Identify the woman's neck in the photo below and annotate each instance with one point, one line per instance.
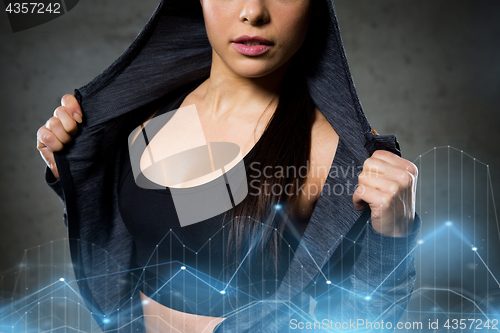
(226, 92)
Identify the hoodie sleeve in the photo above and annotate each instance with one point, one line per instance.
(381, 282)
(55, 185)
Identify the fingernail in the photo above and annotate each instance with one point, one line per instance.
(77, 117)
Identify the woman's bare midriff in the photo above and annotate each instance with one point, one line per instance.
(160, 318)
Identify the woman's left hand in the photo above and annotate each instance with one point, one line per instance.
(388, 186)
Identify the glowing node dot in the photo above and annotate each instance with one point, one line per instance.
(368, 298)
(448, 223)
(105, 320)
(61, 279)
(474, 248)
(278, 206)
(328, 282)
(183, 267)
(222, 292)
(420, 241)
(145, 302)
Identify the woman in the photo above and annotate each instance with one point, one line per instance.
(288, 88)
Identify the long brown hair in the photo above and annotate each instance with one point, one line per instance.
(255, 225)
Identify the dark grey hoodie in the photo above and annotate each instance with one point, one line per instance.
(342, 270)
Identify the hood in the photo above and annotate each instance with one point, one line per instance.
(171, 52)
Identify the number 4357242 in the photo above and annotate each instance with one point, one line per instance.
(477, 324)
(33, 8)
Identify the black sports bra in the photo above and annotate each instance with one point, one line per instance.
(185, 267)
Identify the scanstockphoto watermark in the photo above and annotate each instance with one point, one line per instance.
(450, 324)
(344, 179)
(353, 325)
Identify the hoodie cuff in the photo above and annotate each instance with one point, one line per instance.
(392, 249)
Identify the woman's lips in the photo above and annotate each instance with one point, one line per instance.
(253, 50)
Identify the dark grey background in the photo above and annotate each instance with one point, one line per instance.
(427, 71)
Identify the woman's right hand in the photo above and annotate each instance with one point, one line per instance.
(58, 130)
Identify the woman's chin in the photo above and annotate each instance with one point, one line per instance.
(254, 71)
(247, 66)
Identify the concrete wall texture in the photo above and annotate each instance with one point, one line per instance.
(427, 71)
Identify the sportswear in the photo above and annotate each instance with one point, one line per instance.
(332, 275)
